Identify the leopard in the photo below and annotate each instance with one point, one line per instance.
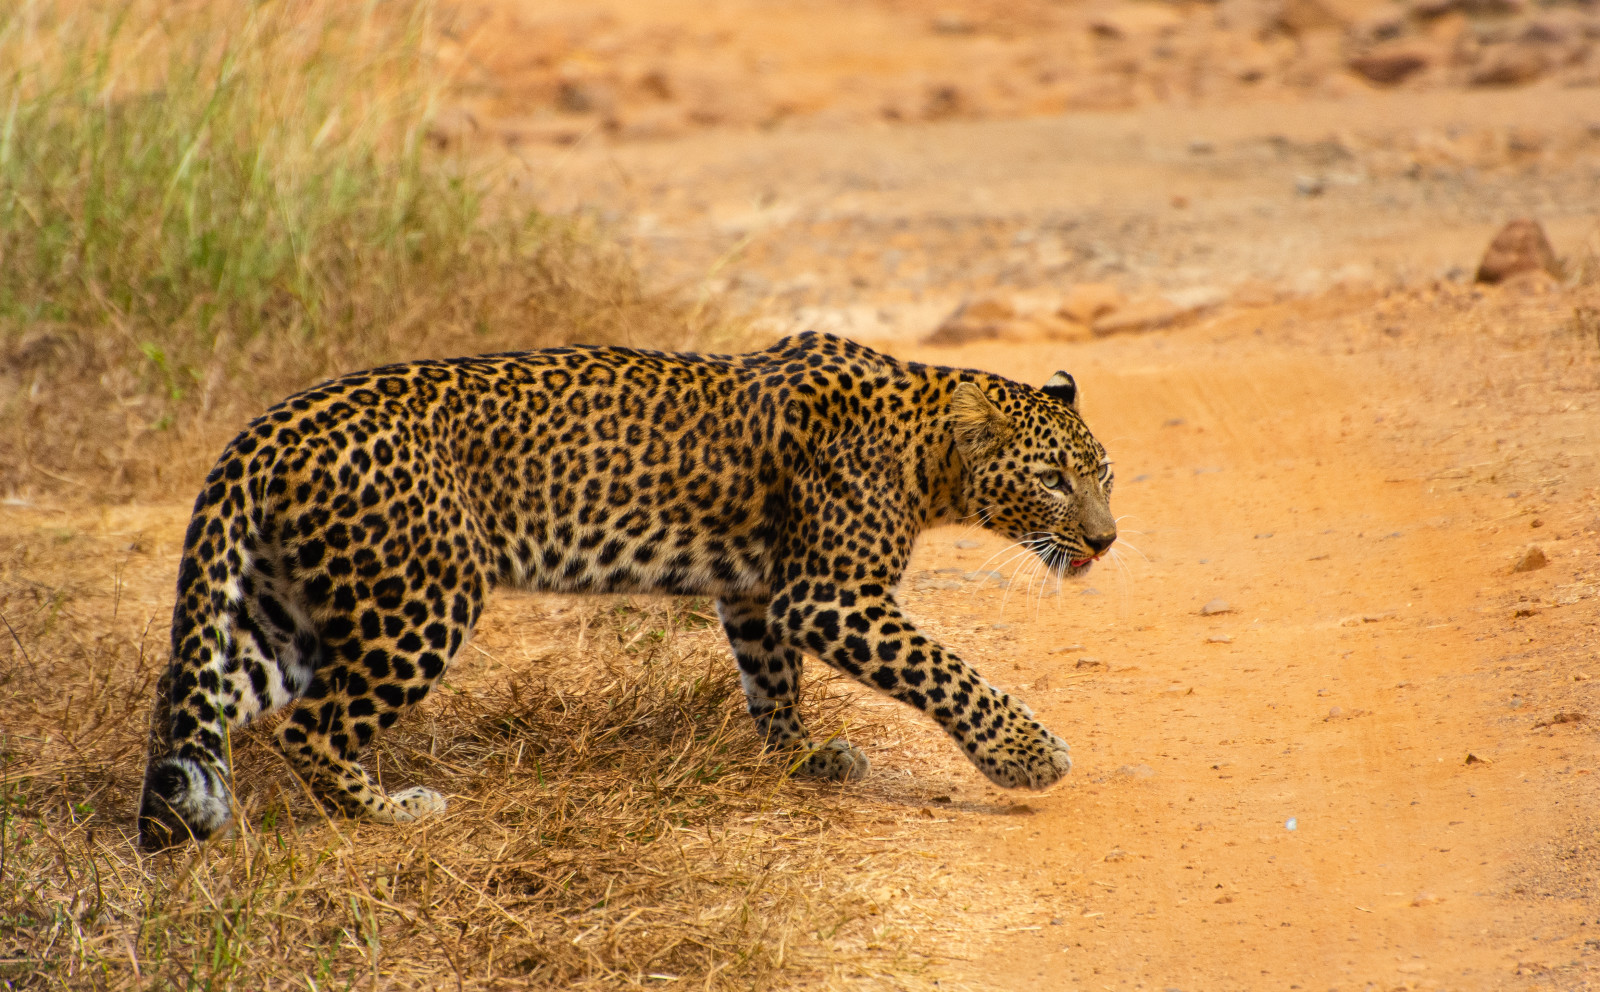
(341, 550)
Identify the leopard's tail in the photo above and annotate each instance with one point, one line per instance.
(188, 792)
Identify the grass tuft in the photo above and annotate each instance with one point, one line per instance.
(612, 818)
(205, 206)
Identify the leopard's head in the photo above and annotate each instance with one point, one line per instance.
(1033, 472)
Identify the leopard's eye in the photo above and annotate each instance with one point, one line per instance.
(1052, 480)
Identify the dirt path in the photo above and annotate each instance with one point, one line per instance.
(1279, 795)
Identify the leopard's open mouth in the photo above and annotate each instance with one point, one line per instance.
(1081, 562)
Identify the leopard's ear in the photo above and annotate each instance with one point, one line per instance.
(1062, 388)
(980, 427)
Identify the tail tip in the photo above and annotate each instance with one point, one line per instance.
(183, 800)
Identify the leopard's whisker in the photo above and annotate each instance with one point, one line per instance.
(1135, 549)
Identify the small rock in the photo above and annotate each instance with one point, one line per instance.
(983, 319)
(1335, 712)
(1066, 648)
(1514, 65)
(1297, 17)
(1521, 246)
(1214, 607)
(950, 22)
(1559, 718)
(1388, 68)
(1473, 759)
(999, 626)
(1292, 823)
(1087, 302)
(1115, 854)
(1091, 664)
(1309, 186)
(1531, 560)
(967, 544)
(1136, 771)
(1425, 899)
(1220, 639)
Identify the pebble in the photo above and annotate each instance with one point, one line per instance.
(1291, 823)
(1214, 607)
(999, 626)
(1425, 899)
(1521, 246)
(1531, 560)
(1092, 664)
(1115, 854)
(1309, 186)
(1065, 648)
(1220, 639)
(1334, 712)
(967, 544)
(1137, 771)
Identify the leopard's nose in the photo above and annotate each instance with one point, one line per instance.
(1098, 543)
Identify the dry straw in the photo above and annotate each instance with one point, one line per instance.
(613, 824)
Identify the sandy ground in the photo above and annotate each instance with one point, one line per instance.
(1349, 445)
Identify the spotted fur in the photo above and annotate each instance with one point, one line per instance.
(341, 550)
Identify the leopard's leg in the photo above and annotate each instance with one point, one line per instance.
(863, 632)
(374, 676)
(770, 673)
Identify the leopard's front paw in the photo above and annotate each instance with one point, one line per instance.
(1030, 757)
(834, 761)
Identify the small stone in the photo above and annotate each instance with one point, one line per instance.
(967, 544)
(1115, 854)
(1425, 899)
(1515, 65)
(984, 319)
(950, 22)
(1087, 302)
(1531, 560)
(1214, 607)
(1065, 648)
(1000, 626)
(1335, 712)
(1056, 921)
(1473, 759)
(1220, 639)
(1309, 186)
(1136, 771)
(1388, 68)
(1521, 246)
(1091, 664)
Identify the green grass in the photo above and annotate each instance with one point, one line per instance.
(204, 206)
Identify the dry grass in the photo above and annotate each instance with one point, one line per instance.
(206, 206)
(613, 822)
(203, 207)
